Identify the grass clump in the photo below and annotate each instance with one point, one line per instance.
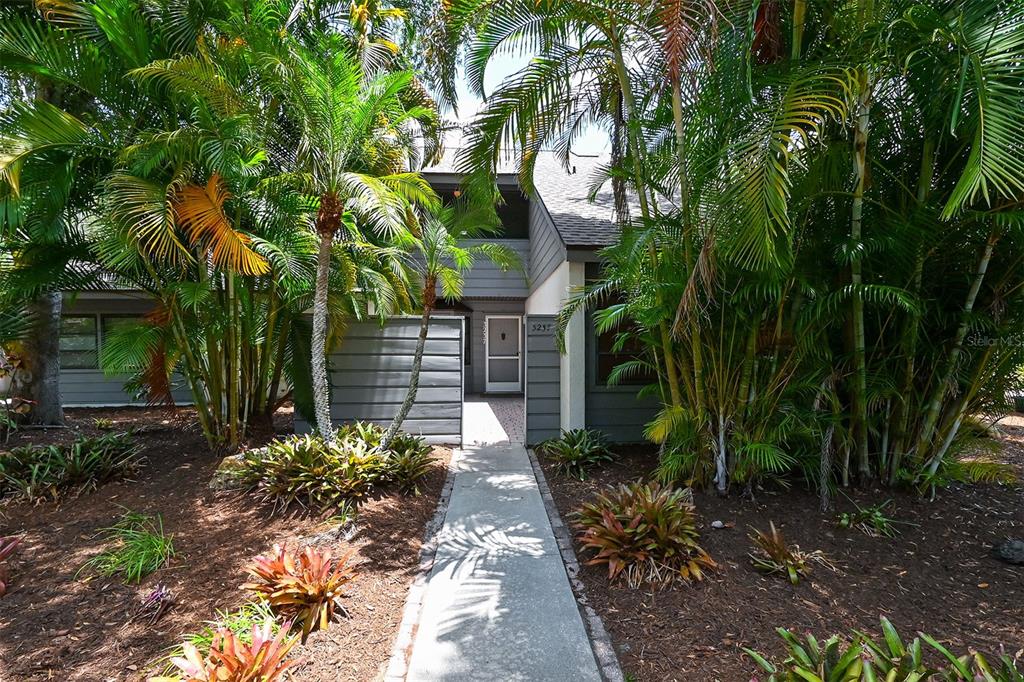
(140, 548)
(645, 532)
(576, 451)
(35, 473)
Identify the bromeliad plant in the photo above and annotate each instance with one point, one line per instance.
(241, 622)
(306, 589)
(773, 555)
(865, 660)
(310, 471)
(407, 461)
(8, 546)
(141, 547)
(263, 658)
(577, 450)
(35, 473)
(871, 521)
(644, 532)
(405, 458)
(324, 475)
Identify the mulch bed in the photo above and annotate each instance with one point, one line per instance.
(54, 625)
(937, 576)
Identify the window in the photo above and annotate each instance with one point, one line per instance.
(110, 323)
(79, 343)
(513, 212)
(609, 357)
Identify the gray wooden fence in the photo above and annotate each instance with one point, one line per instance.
(370, 375)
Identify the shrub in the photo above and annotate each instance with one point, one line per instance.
(33, 473)
(141, 548)
(576, 451)
(8, 546)
(312, 472)
(155, 605)
(306, 589)
(367, 432)
(240, 622)
(871, 521)
(309, 471)
(230, 659)
(866, 660)
(103, 423)
(407, 461)
(646, 532)
(773, 555)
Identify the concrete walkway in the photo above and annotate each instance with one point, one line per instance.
(498, 605)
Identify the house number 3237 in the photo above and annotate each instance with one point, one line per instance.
(542, 327)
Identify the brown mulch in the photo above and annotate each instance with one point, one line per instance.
(937, 576)
(54, 625)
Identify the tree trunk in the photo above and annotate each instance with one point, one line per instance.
(935, 405)
(429, 299)
(637, 147)
(910, 332)
(721, 462)
(859, 389)
(42, 350)
(618, 157)
(328, 222)
(696, 354)
(321, 387)
(799, 16)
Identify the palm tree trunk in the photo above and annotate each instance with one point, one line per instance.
(429, 299)
(637, 148)
(859, 389)
(799, 16)
(43, 361)
(234, 367)
(939, 394)
(910, 331)
(721, 470)
(328, 222)
(696, 355)
(321, 387)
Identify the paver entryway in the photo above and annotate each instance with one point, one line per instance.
(498, 605)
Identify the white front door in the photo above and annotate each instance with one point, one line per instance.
(503, 342)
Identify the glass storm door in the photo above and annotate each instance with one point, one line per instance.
(503, 341)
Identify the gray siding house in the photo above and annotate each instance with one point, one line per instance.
(498, 339)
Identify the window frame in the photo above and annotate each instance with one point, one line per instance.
(98, 336)
(632, 384)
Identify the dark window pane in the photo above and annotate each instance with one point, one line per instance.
(113, 322)
(612, 351)
(514, 214)
(78, 344)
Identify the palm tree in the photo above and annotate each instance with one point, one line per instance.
(442, 264)
(738, 145)
(352, 133)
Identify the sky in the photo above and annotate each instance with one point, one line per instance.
(593, 142)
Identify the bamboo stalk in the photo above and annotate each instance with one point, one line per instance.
(859, 388)
(939, 394)
(629, 105)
